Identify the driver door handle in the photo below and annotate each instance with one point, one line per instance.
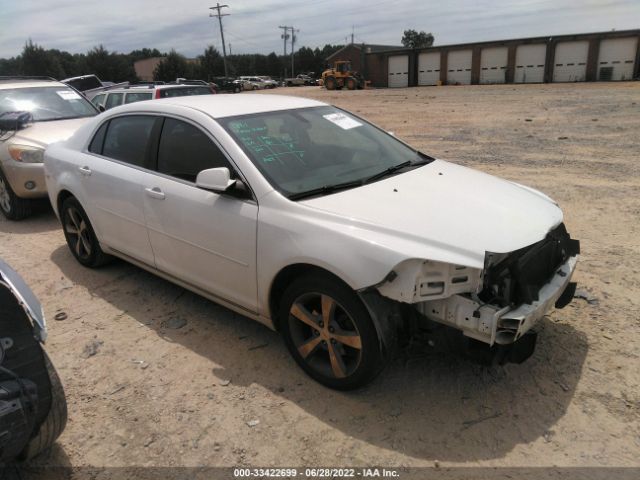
(155, 192)
(85, 170)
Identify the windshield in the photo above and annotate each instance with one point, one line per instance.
(46, 103)
(307, 149)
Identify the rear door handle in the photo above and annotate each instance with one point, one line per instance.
(155, 192)
(85, 170)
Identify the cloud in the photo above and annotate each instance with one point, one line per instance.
(125, 25)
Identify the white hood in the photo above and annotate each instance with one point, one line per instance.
(42, 134)
(449, 206)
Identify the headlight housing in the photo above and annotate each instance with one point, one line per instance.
(26, 154)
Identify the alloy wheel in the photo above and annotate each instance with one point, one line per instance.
(76, 227)
(325, 335)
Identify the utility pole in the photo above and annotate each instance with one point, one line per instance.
(352, 27)
(218, 14)
(293, 40)
(285, 37)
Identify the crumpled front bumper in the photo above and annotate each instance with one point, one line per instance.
(491, 324)
(511, 325)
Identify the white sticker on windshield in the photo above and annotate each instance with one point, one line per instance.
(68, 94)
(341, 120)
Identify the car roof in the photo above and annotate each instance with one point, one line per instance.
(28, 83)
(221, 105)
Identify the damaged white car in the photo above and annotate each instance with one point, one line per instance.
(314, 222)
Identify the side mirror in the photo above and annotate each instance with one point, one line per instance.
(101, 108)
(215, 179)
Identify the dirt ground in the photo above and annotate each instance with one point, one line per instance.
(157, 376)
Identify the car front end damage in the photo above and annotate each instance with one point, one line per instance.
(497, 305)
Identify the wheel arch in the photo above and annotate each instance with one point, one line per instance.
(284, 278)
(62, 196)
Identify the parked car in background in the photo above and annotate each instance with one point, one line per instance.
(33, 409)
(256, 82)
(226, 84)
(294, 81)
(34, 112)
(314, 222)
(268, 82)
(91, 85)
(132, 94)
(244, 84)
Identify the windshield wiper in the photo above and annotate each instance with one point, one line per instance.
(395, 168)
(325, 190)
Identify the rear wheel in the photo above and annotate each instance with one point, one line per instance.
(330, 83)
(80, 236)
(12, 206)
(351, 83)
(329, 332)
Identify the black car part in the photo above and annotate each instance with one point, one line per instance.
(18, 405)
(517, 278)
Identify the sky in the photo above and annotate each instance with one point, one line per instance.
(252, 26)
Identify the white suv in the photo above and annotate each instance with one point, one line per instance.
(139, 93)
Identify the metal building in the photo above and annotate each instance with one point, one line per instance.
(601, 56)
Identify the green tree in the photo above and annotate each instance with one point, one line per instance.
(114, 67)
(413, 39)
(210, 64)
(35, 60)
(171, 67)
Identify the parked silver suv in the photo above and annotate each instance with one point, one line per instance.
(34, 112)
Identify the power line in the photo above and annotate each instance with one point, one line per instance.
(218, 14)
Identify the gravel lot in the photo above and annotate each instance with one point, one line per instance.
(157, 376)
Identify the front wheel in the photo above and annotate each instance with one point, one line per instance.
(12, 206)
(329, 333)
(55, 420)
(81, 238)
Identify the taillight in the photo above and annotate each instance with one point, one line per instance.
(158, 93)
(213, 90)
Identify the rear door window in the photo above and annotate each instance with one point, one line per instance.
(185, 151)
(127, 139)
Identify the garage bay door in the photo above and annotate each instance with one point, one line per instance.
(616, 58)
(459, 67)
(429, 68)
(399, 71)
(570, 64)
(493, 65)
(530, 63)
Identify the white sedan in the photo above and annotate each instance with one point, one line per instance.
(314, 222)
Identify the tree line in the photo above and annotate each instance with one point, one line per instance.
(118, 67)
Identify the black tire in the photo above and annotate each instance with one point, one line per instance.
(351, 83)
(84, 244)
(343, 354)
(330, 83)
(12, 206)
(56, 419)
